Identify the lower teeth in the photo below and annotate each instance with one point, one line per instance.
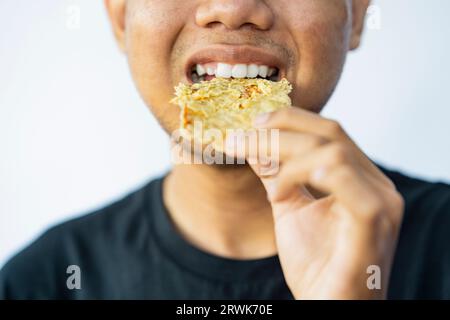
(196, 78)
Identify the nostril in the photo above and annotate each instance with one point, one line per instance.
(249, 25)
(229, 24)
(214, 24)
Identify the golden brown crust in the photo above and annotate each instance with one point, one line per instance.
(227, 104)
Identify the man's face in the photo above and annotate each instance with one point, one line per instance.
(305, 41)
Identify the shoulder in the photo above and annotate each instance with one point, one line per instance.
(427, 206)
(419, 192)
(422, 260)
(39, 270)
(425, 200)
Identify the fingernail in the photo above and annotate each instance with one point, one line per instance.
(261, 119)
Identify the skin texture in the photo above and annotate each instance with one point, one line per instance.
(313, 37)
(328, 213)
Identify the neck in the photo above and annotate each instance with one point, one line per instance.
(220, 210)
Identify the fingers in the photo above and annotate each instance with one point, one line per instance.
(306, 122)
(290, 144)
(272, 144)
(297, 119)
(306, 143)
(330, 170)
(298, 196)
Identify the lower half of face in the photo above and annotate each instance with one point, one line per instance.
(173, 41)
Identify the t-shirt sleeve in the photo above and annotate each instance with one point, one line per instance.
(422, 263)
(3, 289)
(30, 274)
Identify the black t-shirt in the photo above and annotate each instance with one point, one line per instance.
(130, 250)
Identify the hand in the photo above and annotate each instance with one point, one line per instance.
(335, 212)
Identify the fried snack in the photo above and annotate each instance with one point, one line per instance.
(226, 104)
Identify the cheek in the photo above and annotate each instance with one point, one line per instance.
(321, 34)
(149, 38)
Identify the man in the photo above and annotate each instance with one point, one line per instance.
(329, 224)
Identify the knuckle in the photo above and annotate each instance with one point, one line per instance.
(345, 173)
(282, 115)
(334, 128)
(398, 206)
(315, 142)
(372, 211)
(338, 154)
(375, 208)
(398, 201)
(388, 182)
(378, 213)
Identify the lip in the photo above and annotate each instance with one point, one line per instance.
(234, 54)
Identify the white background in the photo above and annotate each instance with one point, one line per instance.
(74, 134)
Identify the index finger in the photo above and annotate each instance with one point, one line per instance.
(297, 119)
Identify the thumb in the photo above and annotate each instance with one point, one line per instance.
(299, 195)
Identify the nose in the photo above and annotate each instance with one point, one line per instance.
(233, 14)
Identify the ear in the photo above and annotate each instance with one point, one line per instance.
(359, 9)
(116, 12)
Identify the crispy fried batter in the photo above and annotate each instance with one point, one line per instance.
(226, 104)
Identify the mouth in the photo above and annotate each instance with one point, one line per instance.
(226, 61)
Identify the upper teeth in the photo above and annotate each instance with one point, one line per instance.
(225, 70)
(200, 70)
